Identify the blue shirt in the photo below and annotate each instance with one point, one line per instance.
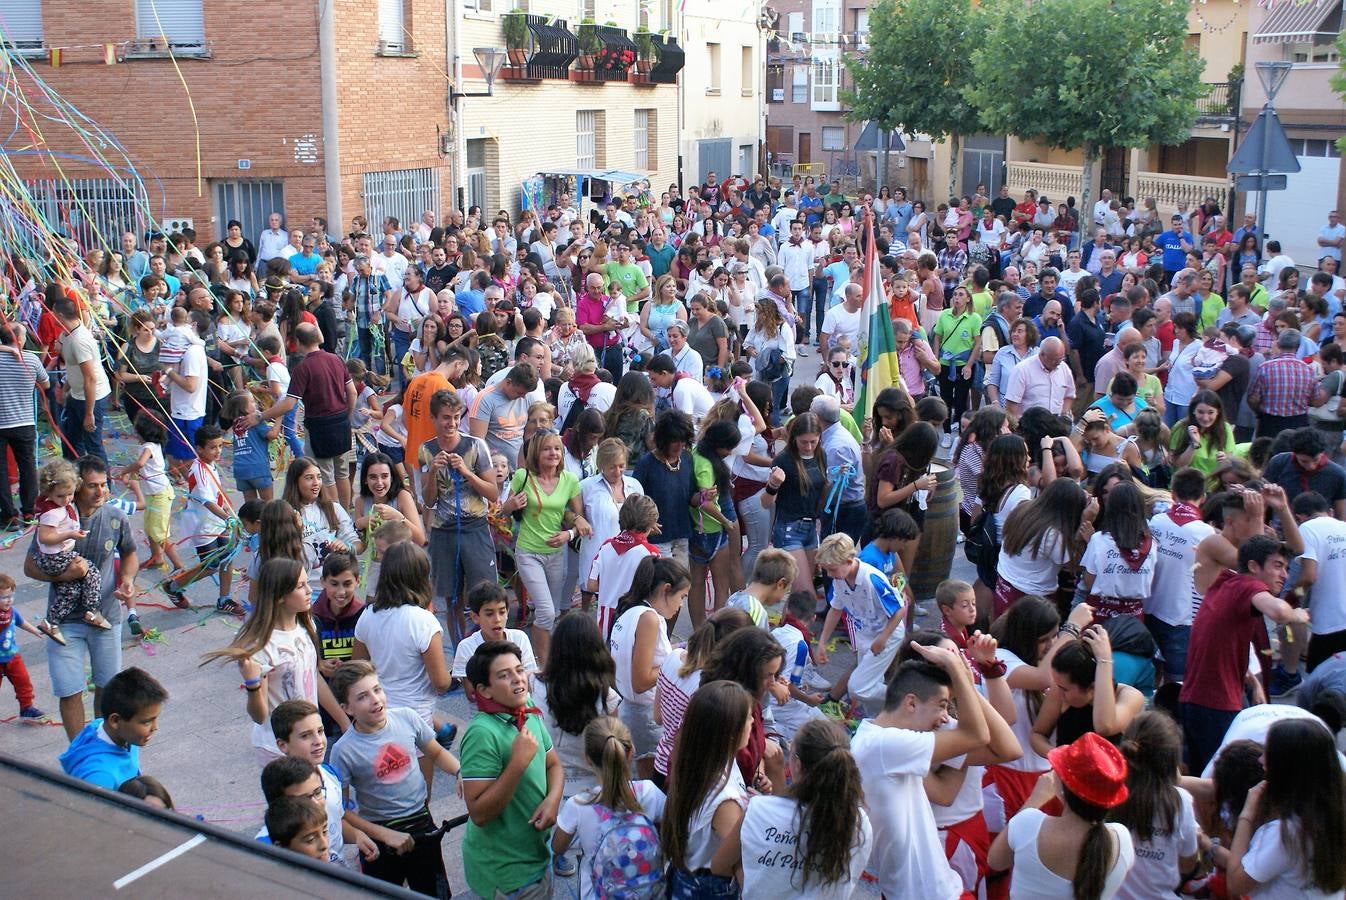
(1117, 418)
(840, 273)
(1171, 242)
(252, 457)
(879, 558)
(811, 207)
(91, 758)
(9, 644)
(660, 260)
(470, 302)
(900, 216)
(305, 264)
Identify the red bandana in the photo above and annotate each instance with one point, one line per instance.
(520, 715)
(1182, 513)
(628, 540)
(1134, 558)
(581, 383)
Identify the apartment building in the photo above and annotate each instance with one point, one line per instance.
(722, 101)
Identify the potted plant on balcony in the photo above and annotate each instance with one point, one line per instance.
(587, 35)
(644, 49)
(516, 37)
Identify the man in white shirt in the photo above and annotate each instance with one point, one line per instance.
(271, 242)
(1271, 269)
(687, 394)
(1170, 607)
(896, 750)
(187, 398)
(426, 226)
(1331, 236)
(86, 402)
(1041, 380)
(843, 320)
(796, 258)
(787, 213)
(389, 263)
(1102, 206)
(1323, 567)
(295, 245)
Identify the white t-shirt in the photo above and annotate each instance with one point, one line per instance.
(1281, 874)
(1020, 493)
(690, 396)
(203, 486)
(772, 864)
(1325, 544)
(622, 644)
(1253, 723)
(412, 308)
(868, 605)
(840, 322)
(396, 638)
(992, 235)
(1157, 870)
(189, 405)
(1034, 881)
(1113, 577)
(601, 396)
(601, 512)
(702, 840)
(577, 817)
(153, 475)
(908, 857)
(1036, 575)
(290, 663)
(1030, 761)
(468, 645)
(1171, 598)
(614, 571)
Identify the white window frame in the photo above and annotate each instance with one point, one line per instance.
(837, 133)
(747, 65)
(183, 21)
(23, 26)
(586, 138)
(825, 95)
(1309, 49)
(826, 19)
(799, 84)
(714, 67)
(641, 136)
(478, 7)
(392, 26)
(588, 11)
(794, 25)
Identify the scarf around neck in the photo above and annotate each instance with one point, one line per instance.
(1182, 513)
(629, 540)
(581, 383)
(520, 715)
(1135, 558)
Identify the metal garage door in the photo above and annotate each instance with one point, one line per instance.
(714, 155)
(251, 203)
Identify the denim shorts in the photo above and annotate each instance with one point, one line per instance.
(254, 484)
(702, 547)
(397, 454)
(1172, 643)
(799, 534)
(102, 647)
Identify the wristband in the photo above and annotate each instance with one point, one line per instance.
(994, 670)
(772, 491)
(252, 690)
(252, 682)
(1071, 629)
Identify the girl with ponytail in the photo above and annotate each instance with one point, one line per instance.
(584, 818)
(1077, 855)
(1158, 813)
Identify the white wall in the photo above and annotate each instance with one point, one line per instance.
(737, 111)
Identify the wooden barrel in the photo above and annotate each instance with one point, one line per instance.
(939, 536)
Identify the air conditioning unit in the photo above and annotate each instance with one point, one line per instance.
(175, 224)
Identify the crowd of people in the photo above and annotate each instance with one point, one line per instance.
(503, 456)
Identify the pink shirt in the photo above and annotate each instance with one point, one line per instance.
(1031, 384)
(590, 311)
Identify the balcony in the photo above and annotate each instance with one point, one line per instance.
(552, 46)
(668, 60)
(616, 54)
(1220, 104)
(1171, 190)
(1054, 181)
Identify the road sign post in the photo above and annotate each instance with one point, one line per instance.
(1266, 151)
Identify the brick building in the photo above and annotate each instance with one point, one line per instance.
(310, 107)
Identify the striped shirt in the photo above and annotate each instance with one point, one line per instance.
(1285, 385)
(674, 693)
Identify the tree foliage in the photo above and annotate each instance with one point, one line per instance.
(1087, 73)
(1339, 80)
(914, 74)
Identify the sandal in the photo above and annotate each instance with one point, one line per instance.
(51, 631)
(97, 620)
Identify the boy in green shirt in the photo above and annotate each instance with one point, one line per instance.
(624, 271)
(512, 781)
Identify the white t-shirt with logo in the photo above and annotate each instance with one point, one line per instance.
(1157, 870)
(772, 864)
(908, 856)
(1325, 544)
(1171, 598)
(1113, 576)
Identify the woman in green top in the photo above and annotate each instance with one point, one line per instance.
(1148, 386)
(714, 540)
(956, 340)
(1204, 437)
(543, 491)
(1210, 303)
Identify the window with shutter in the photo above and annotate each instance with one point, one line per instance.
(586, 127)
(21, 24)
(180, 21)
(392, 34)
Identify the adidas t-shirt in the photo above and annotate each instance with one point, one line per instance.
(578, 817)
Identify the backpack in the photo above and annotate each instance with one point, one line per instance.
(494, 357)
(982, 546)
(627, 863)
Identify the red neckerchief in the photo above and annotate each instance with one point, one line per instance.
(581, 383)
(803, 628)
(520, 715)
(1305, 474)
(953, 632)
(1134, 558)
(796, 242)
(1181, 513)
(750, 755)
(629, 540)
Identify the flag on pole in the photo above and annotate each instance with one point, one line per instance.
(54, 56)
(878, 349)
(110, 54)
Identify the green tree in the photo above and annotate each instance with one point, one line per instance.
(1339, 80)
(1087, 74)
(914, 76)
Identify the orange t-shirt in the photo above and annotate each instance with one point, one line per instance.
(416, 416)
(904, 308)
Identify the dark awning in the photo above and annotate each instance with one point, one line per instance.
(1292, 23)
(669, 60)
(556, 46)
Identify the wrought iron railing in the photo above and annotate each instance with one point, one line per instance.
(1221, 101)
(554, 47)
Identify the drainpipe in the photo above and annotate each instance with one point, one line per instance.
(331, 134)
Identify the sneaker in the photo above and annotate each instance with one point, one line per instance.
(1282, 682)
(445, 734)
(133, 623)
(178, 597)
(51, 631)
(229, 606)
(31, 715)
(564, 866)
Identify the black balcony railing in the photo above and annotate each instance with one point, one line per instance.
(1220, 102)
(616, 54)
(554, 47)
(669, 60)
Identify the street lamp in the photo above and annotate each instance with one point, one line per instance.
(1272, 75)
(489, 59)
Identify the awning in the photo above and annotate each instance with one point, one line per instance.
(1291, 22)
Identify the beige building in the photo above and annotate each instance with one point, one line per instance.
(723, 107)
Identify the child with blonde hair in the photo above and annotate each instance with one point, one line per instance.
(57, 530)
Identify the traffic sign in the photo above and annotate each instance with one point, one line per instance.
(1265, 148)
(1250, 184)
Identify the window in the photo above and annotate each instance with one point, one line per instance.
(476, 172)
(1193, 42)
(643, 14)
(826, 18)
(775, 84)
(834, 137)
(404, 193)
(646, 139)
(250, 202)
(91, 209)
(586, 139)
(178, 20)
(862, 21)
(23, 24)
(746, 72)
(1314, 53)
(1315, 147)
(713, 62)
(587, 10)
(799, 86)
(825, 81)
(480, 6)
(392, 27)
(794, 26)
